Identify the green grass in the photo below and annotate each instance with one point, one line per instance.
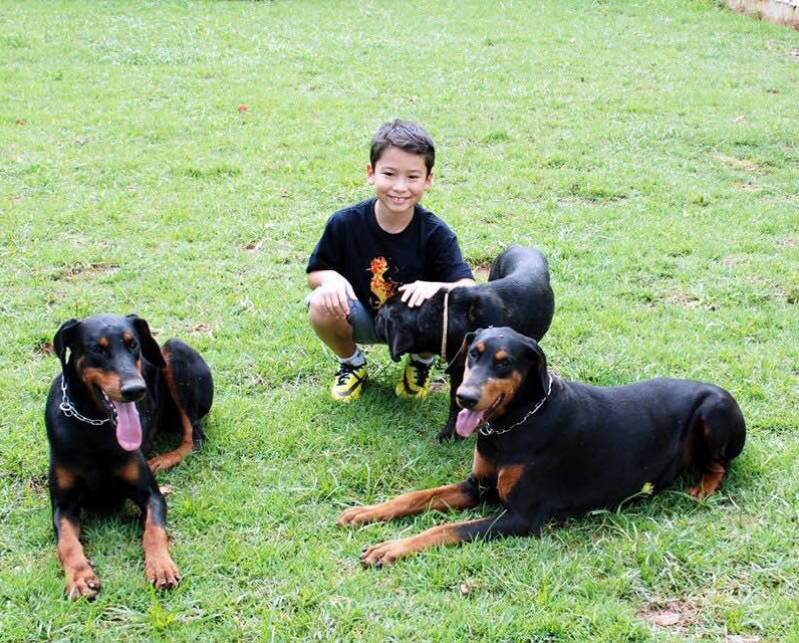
(648, 147)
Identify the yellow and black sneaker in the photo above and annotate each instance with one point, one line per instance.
(349, 382)
(415, 382)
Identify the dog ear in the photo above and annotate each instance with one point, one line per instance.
(459, 359)
(63, 339)
(538, 375)
(149, 347)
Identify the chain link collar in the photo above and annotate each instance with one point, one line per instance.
(487, 430)
(68, 408)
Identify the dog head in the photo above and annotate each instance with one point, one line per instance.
(105, 353)
(501, 367)
(410, 330)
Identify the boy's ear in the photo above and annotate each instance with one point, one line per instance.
(149, 347)
(370, 173)
(63, 339)
(459, 359)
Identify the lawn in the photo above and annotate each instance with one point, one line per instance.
(179, 160)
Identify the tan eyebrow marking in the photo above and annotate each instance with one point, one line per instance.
(103, 342)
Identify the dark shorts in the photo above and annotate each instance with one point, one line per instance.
(363, 324)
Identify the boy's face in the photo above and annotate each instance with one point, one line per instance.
(400, 179)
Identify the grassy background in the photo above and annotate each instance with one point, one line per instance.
(648, 147)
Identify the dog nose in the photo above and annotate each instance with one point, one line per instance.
(467, 399)
(133, 391)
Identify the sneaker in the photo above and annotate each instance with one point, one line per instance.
(349, 382)
(415, 380)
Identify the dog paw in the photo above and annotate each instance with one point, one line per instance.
(81, 582)
(384, 554)
(161, 463)
(162, 572)
(448, 433)
(359, 516)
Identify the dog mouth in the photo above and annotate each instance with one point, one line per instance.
(469, 420)
(125, 417)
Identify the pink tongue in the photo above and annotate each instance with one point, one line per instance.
(128, 425)
(467, 422)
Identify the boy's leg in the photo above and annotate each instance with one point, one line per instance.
(340, 335)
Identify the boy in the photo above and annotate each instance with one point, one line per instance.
(371, 250)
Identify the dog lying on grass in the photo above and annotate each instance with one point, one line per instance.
(517, 294)
(116, 389)
(548, 448)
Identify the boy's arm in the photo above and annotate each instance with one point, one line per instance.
(416, 293)
(332, 292)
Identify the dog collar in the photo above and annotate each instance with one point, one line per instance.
(68, 408)
(487, 430)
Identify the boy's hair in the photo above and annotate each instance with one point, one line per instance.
(406, 135)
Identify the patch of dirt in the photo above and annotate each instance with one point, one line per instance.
(673, 615)
(44, 347)
(740, 164)
(84, 270)
(794, 53)
(438, 387)
(254, 246)
(732, 261)
(202, 329)
(738, 186)
(687, 301)
(38, 484)
(790, 242)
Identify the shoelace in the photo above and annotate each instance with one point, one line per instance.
(420, 372)
(345, 370)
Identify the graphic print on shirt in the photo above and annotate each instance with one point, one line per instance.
(381, 287)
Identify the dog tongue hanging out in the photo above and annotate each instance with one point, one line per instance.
(129, 433)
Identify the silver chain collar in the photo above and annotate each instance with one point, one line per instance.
(487, 430)
(68, 408)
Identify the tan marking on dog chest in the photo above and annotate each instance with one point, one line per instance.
(482, 468)
(508, 478)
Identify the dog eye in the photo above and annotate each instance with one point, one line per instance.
(133, 345)
(503, 363)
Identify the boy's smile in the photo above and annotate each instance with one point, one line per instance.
(400, 179)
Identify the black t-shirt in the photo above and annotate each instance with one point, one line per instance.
(377, 262)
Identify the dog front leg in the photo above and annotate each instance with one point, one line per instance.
(159, 567)
(80, 577)
(453, 496)
(505, 524)
(448, 432)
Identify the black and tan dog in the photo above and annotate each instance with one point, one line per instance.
(116, 389)
(517, 294)
(548, 448)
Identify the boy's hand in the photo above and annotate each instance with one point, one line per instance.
(416, 293)
(333, 296)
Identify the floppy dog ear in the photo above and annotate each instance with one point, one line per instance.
(149, 347)
(459, 359)
(538, 376)
(63, 339)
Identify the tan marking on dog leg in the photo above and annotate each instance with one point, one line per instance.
(388, 552)
(174, 457)
(710, 481)
(159, 567)
(453, 496)
(80, 578)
